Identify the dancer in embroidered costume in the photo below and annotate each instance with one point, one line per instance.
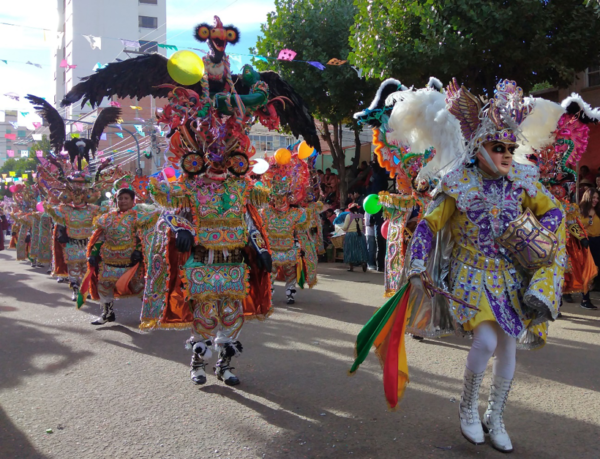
(287, 223)
(24, 206)
(71, 190)
(115, 252)
(391, 116)
(556, 161)
(467, 250)
(216, 272)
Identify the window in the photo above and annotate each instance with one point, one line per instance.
(148, 22)
(149, 2)
(593, 74)
(21, 134)
(148, 46)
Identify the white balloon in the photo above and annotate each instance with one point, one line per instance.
(260, 167)
(108, 194)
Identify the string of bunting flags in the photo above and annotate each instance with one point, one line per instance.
(96, 43)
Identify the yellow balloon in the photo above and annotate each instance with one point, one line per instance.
(304, 151)
(185, 67)
(283, 156)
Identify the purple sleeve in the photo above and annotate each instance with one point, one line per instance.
(552, 219)
(420, 247)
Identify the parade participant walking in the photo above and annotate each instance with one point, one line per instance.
(115, 252)
(469, 232)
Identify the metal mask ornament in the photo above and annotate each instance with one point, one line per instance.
(532, 245)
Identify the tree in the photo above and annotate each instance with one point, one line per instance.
(318, 31)
(476, 41)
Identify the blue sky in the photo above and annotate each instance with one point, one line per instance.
(23, 44)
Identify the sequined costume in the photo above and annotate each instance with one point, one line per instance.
(224, 275)
(117, 244)
(580, 270)
(476, 210)
(287, 223)
(487, 258)
(403, 163)
(75, 228)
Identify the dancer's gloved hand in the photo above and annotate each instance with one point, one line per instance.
(416, 283)
(94, 261)
(184, 240)
(585, 243)
(265, 261)
(136, 257)
(63, 237)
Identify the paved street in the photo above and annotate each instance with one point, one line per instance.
(114, 392)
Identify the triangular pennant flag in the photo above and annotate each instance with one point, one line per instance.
(262, 58)
(358, 71)
(74, 135)
(39, 153)
(24, 113)
(317, 65)
(63, 64)
(335, 61)
(4, 60)
(10, 154)
(130, 43)
(286, 55)
(103, 136)
(14, 124)
(79, 127)
(119, 134)
(173, 47)
(135, 107)
(37, 137)
(36, 124)
(95, 42)
(114, 103)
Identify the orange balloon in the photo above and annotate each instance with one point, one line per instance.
(283, 156)
(304, 151)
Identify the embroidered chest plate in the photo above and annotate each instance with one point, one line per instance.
(80, 222)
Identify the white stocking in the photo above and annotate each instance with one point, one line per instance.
(489, 339)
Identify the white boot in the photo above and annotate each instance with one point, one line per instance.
(468, 409)
(197, 369)
(493, 423)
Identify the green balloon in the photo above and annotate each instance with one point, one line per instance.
(371, 204)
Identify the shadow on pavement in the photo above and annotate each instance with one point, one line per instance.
(22, 344)
(13, 443)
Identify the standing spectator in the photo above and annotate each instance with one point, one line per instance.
(355, 245)
(371, 242)
(584, 184)
(597, 182)
(585, 173)
(590, 211)
(3, 227)
(331, 181)
(379, 179)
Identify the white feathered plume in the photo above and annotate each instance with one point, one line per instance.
(536, 130)
(420, 120)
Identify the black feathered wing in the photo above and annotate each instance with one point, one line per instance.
(54, 120)
(107, 116)
(135, 78)
(294, 115)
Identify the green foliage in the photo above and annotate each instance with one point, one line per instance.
(541, 86)
(476, 41)
(317, 31)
